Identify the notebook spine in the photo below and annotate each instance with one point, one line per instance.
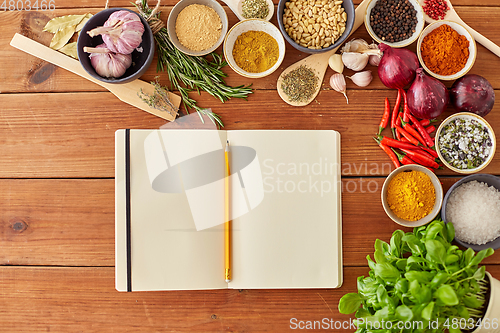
(128, 209)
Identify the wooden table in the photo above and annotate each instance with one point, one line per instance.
(57, 189)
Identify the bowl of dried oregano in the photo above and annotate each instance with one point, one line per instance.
(197, 27)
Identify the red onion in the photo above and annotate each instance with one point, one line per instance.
(427, 97)
(472, 93)
(397, 66)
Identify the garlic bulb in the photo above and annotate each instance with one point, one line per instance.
(122, 32)
(362, 79)
(355, 61)
(106, 63)
(337, 82)
(360, 46)
(335, 63)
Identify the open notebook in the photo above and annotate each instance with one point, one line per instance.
(286, 209)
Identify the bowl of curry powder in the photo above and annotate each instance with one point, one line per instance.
(254, 48)
(412, 195)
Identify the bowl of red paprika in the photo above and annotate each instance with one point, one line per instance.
(446, 50)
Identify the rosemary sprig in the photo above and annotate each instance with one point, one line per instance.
(188, 73)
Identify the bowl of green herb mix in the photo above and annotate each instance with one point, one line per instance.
(465, 142)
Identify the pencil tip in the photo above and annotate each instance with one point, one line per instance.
(227, 281)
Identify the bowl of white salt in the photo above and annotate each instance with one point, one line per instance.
(473, 206)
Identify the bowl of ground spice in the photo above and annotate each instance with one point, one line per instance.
(254, 48)
(446, 50)
(197, 27)
(397, 23)
(412, 195)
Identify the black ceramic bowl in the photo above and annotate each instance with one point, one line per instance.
(483, 178)
(348, 8)
(140, 60)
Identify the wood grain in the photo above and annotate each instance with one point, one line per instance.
(74, 225)
(69, 299)
(57, 189)
(24, 73)
(72, 134)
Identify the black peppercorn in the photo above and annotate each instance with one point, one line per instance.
(393, 20)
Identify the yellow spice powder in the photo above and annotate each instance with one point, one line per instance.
(411, 195)
(255, 51)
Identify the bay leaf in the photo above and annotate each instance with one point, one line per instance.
(61, 37)
(61, 22)
(82, 23)
(70, 50)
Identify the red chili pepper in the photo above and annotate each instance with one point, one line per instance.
(398, 120)
(414, 133)
(395, 112)
(427, 122)
(430, 129)
(431, 152)
(391, 154)
(403, 158)
(394, 143)
(421, 159)
(407, 136)
(422, 131)
(404, 140)
(385, 116)
(406, 110)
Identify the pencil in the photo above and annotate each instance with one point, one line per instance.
(227, 225)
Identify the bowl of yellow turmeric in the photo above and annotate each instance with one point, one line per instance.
(254, 48)
(412, 195)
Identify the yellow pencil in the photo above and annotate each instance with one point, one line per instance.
(227, 225)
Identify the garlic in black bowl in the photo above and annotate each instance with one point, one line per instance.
(119, 45)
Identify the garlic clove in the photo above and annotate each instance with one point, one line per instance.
(335, 63)
(362, 79)
(374, 59)
(337, 82)
(355, 61)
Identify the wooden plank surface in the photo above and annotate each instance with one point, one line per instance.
(57, 189)
(71, 134)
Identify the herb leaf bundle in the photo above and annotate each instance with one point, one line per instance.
(188, 73)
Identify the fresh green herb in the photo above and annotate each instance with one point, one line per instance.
(300, 84)
(255, 9)
(420, 276)
(188, 73)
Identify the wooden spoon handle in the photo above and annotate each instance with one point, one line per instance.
(484, 41)
(126, 92)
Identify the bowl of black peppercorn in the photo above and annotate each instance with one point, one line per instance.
(397, 23)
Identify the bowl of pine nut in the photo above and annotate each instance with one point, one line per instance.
(315, 26)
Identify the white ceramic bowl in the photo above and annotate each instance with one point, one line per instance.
(437, 204)
(253, 25)
(462, 31)
(403, 43)
(483, 122)
(172, 17)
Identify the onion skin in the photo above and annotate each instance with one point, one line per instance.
(397, 66)
(472, 93)
(427, 96)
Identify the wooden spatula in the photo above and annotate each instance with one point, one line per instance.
(451, 15)
(126, 92)
(319, 62)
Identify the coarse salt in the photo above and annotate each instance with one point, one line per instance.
(474, 210)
